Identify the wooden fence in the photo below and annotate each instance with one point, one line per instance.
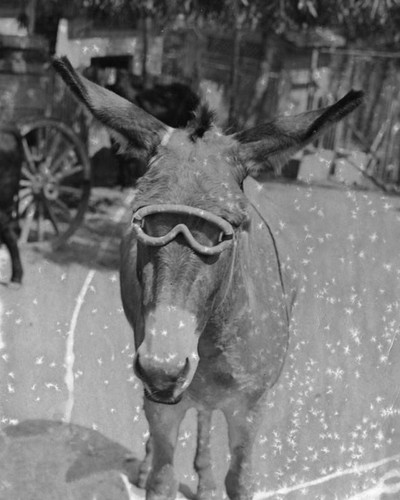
(374, 128)
(277, 77)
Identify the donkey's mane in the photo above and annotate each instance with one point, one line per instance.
(202, 122)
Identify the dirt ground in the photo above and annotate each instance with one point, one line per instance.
(70, 408)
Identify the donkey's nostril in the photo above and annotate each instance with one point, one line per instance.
(162, 384)
(185, 370)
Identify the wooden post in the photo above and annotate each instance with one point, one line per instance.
(145, 48)
(235, 66)
(146, 10)
(31, 13)
(311, 87)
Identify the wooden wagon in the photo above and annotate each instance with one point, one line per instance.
(51, 127)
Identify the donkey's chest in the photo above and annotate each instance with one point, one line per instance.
(244, 360)
(224, 379)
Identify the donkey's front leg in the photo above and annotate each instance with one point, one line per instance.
(243, 425)
(145, 466)
(202, 463)
(164, 422)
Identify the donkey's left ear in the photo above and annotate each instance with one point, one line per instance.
(133, 125)
(273, 143)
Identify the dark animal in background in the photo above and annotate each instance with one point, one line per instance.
(10, 171)
(174, 104)
(201, 281)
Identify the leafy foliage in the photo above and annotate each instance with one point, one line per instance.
(357, 20)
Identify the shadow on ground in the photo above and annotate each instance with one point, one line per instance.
(96, 243)
(47, 460)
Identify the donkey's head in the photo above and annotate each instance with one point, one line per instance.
(189, 213)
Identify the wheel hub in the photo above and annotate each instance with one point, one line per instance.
(51, 191)
(44, 182)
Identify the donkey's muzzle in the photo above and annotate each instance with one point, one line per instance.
(162, 385)
(163, 399)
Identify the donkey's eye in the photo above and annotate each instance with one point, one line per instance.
(157, 225)
(208, 234)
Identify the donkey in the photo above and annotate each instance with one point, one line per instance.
(10, 171)
(201, 280)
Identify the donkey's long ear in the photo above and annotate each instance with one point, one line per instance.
(139, 129)
(273, 143)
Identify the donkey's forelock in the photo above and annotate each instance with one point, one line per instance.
(202, 122)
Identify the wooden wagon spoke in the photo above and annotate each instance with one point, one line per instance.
(40, 221)
(28, 155)
(70, 189)
(27, 225)
(25, 183)
(51, 216)
(23, 195)
(58, 162)
(29, 175)
(25, 200)
(29, 200)
(24, 191)
(68, 173)
(41, 142)
(63, 207)
(53, 147)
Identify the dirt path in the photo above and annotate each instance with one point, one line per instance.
(332, 423)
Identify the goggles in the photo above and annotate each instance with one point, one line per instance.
(206, 233)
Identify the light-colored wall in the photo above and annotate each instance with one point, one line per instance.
(81, 50)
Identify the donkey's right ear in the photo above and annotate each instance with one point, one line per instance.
(138, 128)
(272, 144)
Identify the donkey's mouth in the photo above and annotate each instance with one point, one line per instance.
(162, 400)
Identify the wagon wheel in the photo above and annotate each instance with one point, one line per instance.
(55, 182)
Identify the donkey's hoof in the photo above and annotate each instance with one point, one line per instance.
(207, 488)
(141, 481)
(161, 488)
(157, 496)
(207, 495)
(144, 472)
(152, 495)
(15, 285)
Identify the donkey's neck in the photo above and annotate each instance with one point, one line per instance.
(247, 299)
